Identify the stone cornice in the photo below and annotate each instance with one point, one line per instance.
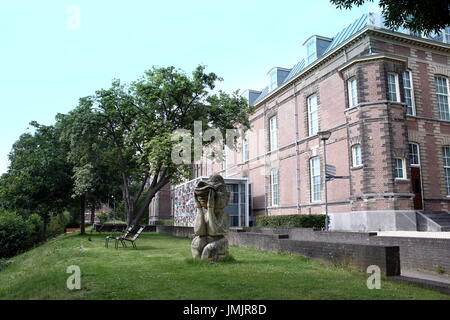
(374, 57)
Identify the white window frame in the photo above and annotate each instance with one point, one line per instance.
(418, 154)
(408, 75)
(275, 187)
(352, 88)
(314, 173)
(396, 83)
(440, 94)
(403, 169)
(356, 156)
(273, 133)
(245, 150)
(313, 116)
(311, 56)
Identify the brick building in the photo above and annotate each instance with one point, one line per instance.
(383, 95)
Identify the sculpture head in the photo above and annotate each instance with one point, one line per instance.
(215, 184)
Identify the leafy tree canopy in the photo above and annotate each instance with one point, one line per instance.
(416, 15)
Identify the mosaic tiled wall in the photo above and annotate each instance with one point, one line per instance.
(184, 204)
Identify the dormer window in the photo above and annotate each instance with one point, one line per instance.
(315, 47)
(276, 77)
(311, 51)
(273, 80)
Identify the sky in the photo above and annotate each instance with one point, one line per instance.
(53, 52)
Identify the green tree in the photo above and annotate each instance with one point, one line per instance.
(94, 175)
(135, 124)
(39, 178)
(416, 15)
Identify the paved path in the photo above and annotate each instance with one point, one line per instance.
(427, 276)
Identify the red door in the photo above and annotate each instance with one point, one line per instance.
(416, 185)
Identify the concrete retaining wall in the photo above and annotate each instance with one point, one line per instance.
(359, 256)
(415, 253)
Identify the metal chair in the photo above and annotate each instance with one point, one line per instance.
(125, 234)
(130, 236)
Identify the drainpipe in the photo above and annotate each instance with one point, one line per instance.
(297, 167)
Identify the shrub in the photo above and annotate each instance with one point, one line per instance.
(103, 217)
(57, 224)
(4, 263)
(36, 225)
(292, 221)
(167, 223)
(15, 234)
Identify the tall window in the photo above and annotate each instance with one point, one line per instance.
(414, 156)
(446, 153)
(409, 92)
(352, 93)
(313, 119)
(314, 165)
(393, 93)
(442, 97)
(274, 187)
(245, 150)
(356, 155)
(273, 133)
(399, 168)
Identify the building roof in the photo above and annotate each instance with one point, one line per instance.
(345, 34)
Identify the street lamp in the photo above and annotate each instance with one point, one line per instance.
(324, 136)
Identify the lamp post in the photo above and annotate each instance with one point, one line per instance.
(324, 136)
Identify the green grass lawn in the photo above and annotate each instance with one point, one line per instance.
(161, 268)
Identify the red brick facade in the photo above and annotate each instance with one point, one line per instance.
(380, 126)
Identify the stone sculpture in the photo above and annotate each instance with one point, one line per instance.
(211, 222)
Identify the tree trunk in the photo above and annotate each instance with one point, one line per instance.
(127, 199)
(149, 197)
(140, 214)
(82, 210)
(92, 214)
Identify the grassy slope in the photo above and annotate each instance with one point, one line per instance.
(161, 268)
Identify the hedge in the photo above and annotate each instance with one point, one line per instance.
(292, 221)
(18, 234)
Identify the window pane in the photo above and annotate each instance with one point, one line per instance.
(407, 85)
(313, 115)
(446, 156)
(352, 93)
(398, 168)
(356, 155)
(275, 194)
(414, 154)
(392, 87)
(315, 179)
(442, 97)
(273, 133)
